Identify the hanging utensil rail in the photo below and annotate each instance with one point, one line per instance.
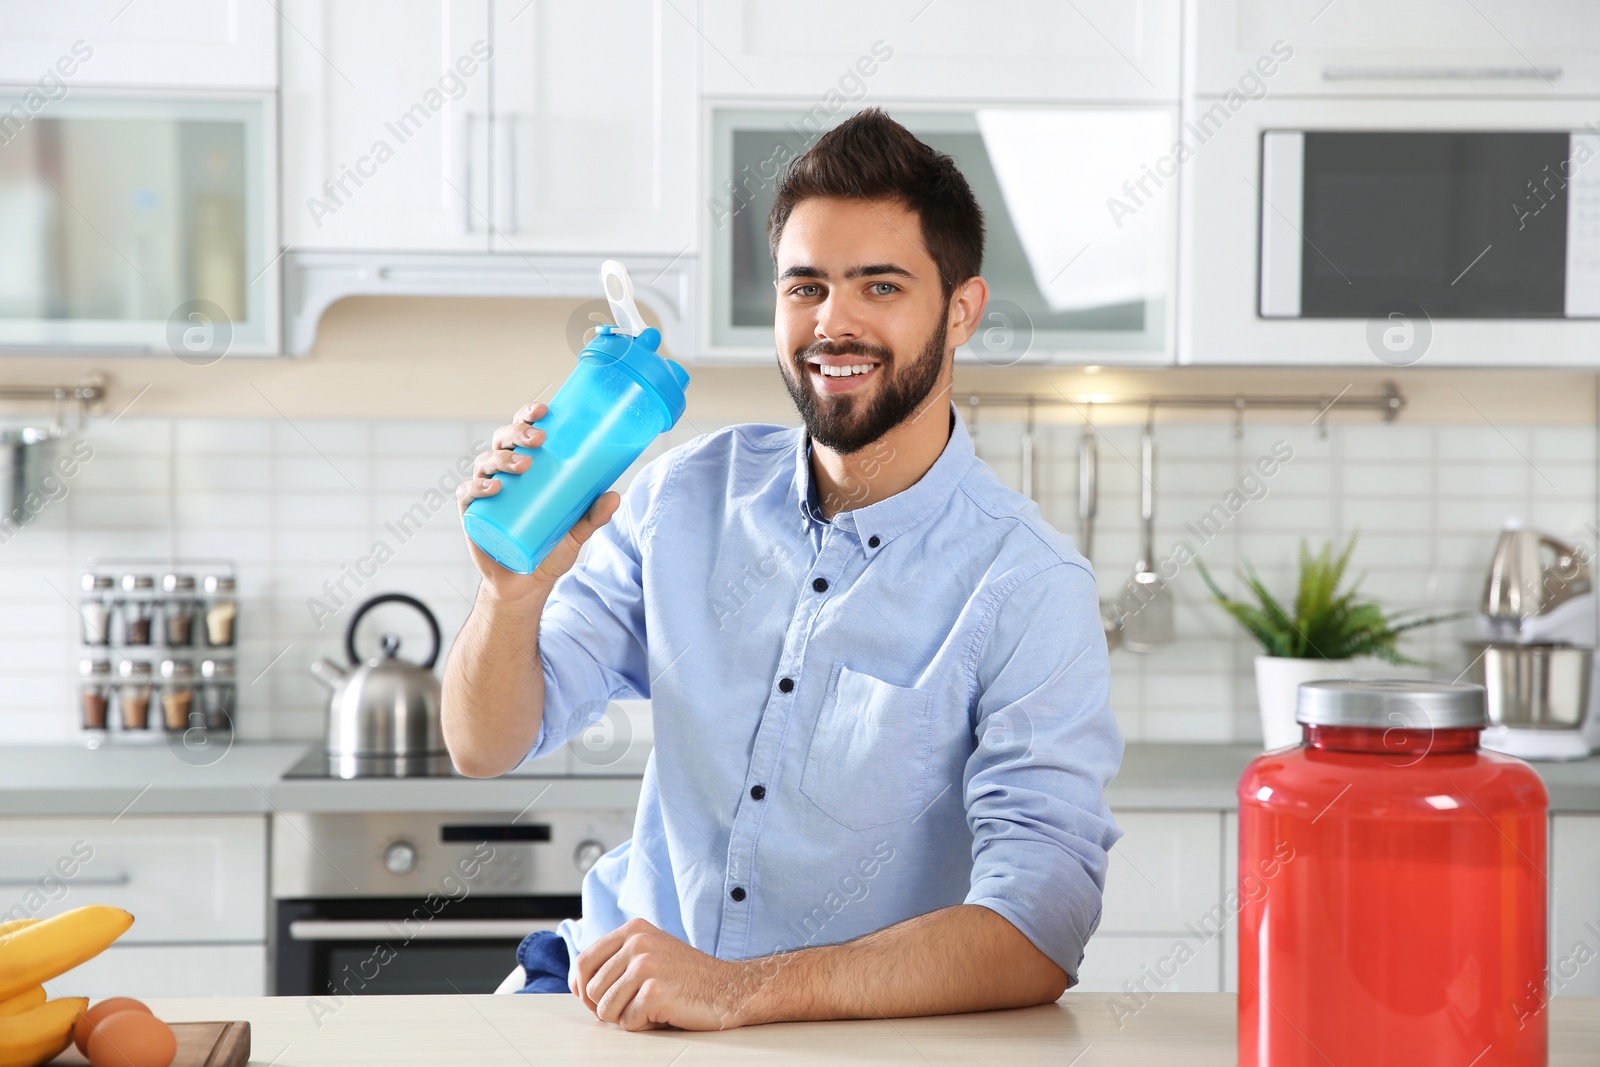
(1388, 402)
(87, 395)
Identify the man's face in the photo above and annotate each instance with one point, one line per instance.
(861, 324)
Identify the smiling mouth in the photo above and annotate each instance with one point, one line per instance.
(828, 370)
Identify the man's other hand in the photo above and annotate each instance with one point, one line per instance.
(643, 978)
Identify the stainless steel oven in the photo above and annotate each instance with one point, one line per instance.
(424, 902)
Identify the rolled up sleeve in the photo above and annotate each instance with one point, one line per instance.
(593, 647)
(1047, 745)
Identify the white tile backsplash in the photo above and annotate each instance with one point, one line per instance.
(297, 506)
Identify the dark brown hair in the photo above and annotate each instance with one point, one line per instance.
(870, 156)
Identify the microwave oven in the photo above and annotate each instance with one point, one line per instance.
(1345, 231)
(1465, 224)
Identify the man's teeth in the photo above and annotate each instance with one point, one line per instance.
(844, 372)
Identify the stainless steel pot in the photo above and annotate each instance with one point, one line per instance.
(1542, 687)
(24, 458)
(384, 712)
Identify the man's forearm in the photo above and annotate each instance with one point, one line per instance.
(493, 692)
(964, 958)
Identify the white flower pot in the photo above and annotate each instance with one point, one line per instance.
(1278, 681)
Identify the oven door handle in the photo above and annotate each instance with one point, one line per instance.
(415, 929)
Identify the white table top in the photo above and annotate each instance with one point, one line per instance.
(1081, 1030)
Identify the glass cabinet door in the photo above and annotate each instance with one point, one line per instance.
(138, 225)
(1080, 247)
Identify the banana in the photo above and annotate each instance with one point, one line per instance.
(57, 944)
(40, 1034)
(11, 926)
(27, 999)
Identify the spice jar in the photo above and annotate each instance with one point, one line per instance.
(1392, 887)
(94, 607)
(222, 609)
(177, 693)
(218, 693)
(138, 607)
(133, 695)
(95, 692)
(177, 609)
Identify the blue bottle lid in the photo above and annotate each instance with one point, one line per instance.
(638, 356)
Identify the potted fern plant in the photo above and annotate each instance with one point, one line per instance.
(1326, 629)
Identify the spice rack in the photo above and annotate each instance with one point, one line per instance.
(157, 640)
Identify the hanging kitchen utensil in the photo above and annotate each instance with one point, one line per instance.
(1027, 453)
(1088, 505)
(972, 424)
(1146, 615)
(1088, 491)
(384, 709)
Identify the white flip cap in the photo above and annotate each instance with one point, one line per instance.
(619, 293)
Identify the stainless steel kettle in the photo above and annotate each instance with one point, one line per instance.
(1531, 574)
(385, 708)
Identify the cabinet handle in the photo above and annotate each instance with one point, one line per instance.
(1401, 73)
(111, 880)
(511, 177)
(423, 930)
(466, 138)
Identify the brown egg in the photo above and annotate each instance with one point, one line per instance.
(132, 1039)
(84, 1027)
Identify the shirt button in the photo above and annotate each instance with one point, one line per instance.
(785, 684)
(820, 585)
(872, 542)
(737, 893)
(758, 792)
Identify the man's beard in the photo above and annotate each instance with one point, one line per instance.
(844, 422)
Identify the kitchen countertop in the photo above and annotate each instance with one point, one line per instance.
(247, 779)
(1195, 1029)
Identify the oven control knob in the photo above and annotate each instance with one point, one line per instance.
(400, 858)
(588, 854)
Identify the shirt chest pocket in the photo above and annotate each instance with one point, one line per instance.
(868, 763)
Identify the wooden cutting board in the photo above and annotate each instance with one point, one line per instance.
(224, 1044)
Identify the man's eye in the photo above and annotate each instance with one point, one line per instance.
(806, 290)
(883, 288)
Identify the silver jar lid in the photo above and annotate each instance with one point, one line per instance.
(133, 670)
(96, 583)
(177, 670)
(219, 583)
(137, 583)
(94, 668)
(1391, 705)
(219, 669)
(177, 583)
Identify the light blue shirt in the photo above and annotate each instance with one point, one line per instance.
(856, 721)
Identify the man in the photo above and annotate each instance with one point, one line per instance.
(878, 678)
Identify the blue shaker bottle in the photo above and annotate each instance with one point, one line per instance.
(620, 397)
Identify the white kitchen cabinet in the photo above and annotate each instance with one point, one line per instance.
(545, 127)
(841, 53)
(185, 880)
(1165, 873)
(386, 124)
(1158, 926)
(1169, 964)
(168, 971)
(181, 44)
(1417, 48)
(595, 127)
(1081, 265)
(1575, 905)
(139, 223)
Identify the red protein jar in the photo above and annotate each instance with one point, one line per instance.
(1392, 882)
